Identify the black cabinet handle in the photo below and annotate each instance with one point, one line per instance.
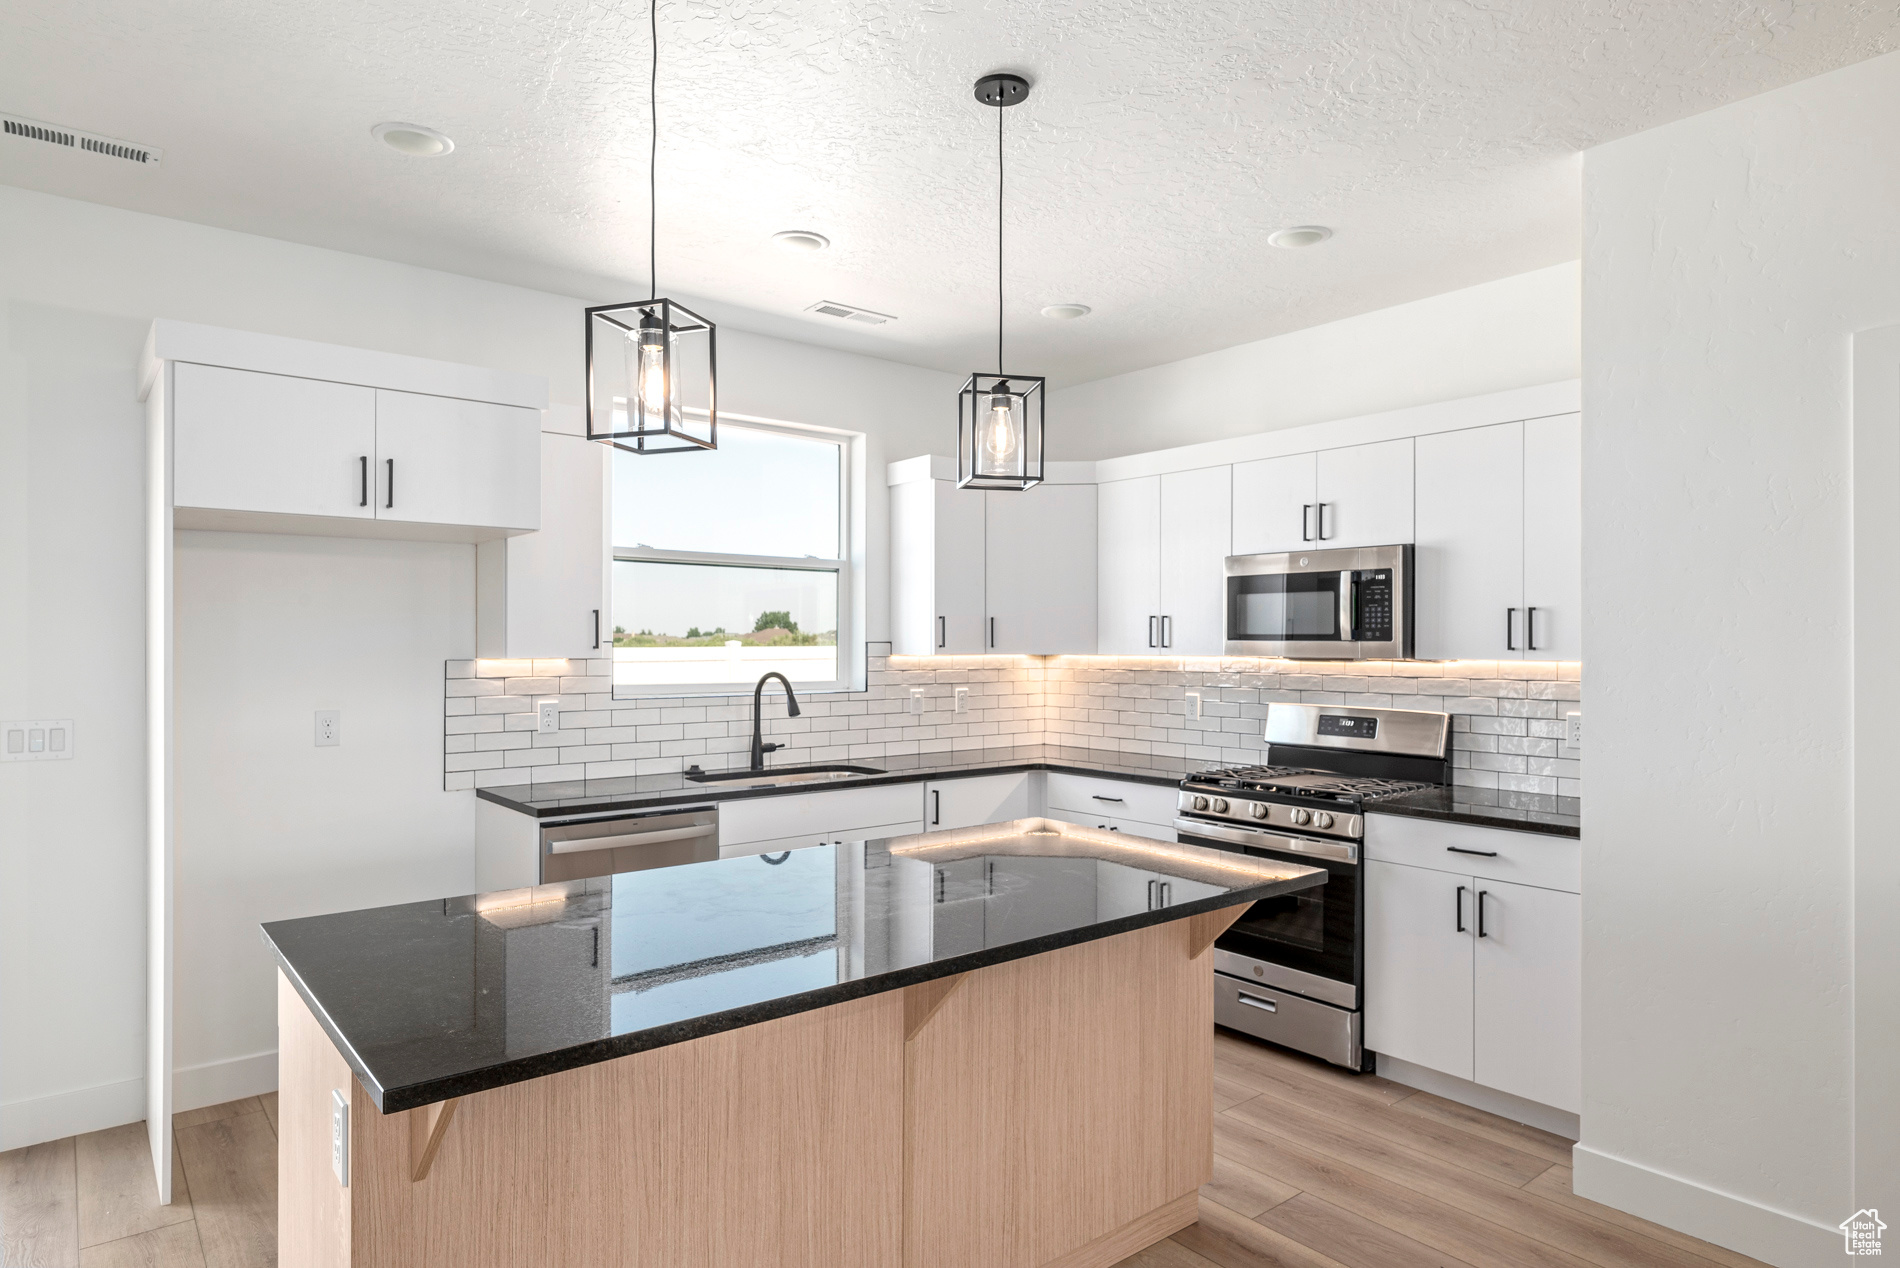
(942, 633)
(596, 963)
(389, 485)
(1458, 901)
(939, 884)
(362, 498)
(936, 807)
(1481, 897)
(1320, 519)
(1151, 630)
(1510, 629)
(596, 629)
(1099, 797)
(774, 862)
(1167, 631)
(992, 631)
(1483, 854)
(1306, 520)
(1530, 629)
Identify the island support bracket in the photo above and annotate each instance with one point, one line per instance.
(1209, 925)
(427, 1125)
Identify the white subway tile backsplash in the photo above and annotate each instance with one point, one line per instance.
(1507, 726)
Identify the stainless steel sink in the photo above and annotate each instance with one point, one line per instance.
(783, 775)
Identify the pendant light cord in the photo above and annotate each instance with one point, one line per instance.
(999, 239)
(653, 154)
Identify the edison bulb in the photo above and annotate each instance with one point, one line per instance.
(646, 370)
(999, 430)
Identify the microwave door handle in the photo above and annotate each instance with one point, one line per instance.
(1345, 607)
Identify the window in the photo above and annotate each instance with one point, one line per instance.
(731, 563)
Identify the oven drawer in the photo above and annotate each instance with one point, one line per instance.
(1114, 798)
(1493, 854)
(1331, 1034)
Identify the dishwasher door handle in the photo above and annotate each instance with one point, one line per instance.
(622, 839)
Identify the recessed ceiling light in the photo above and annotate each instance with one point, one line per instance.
(1067, 312)
(412, 139)
(801, 240)
(1299, 236)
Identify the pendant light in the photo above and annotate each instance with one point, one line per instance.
(652, 372)
(999, 416)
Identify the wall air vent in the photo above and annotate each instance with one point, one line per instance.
(73, 139)
(849, 312)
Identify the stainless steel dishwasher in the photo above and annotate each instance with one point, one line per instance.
(576, 849)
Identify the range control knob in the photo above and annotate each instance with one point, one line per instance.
(1200, 803)
(1302, 817)
(1322, 820)
(1257, 810)
(1220, 805)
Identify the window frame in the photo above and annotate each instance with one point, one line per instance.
(849, 665)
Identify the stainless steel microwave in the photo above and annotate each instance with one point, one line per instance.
(1322, 604)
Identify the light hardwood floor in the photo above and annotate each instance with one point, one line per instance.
(1313, 1168)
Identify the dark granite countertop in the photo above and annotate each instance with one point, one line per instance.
(1488, 808)
(641, 792)
(438, 999)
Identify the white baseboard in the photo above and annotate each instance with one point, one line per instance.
(215, 1082)
(1531, 1113)
(74, 1113)
(1775, 1237)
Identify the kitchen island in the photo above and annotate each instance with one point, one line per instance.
(986, 1047)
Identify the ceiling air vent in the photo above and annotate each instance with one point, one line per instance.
(848, 312)
(73, 139)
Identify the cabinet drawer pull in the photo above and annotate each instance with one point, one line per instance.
(936, 807)
(1483, 854)
(1254, 1001)
(1099, 797)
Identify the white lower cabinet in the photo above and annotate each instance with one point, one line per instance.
(1475, 976)
(980, 799)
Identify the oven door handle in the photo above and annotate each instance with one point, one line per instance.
(1344, 851)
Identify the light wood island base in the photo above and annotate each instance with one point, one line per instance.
(1048, 1112)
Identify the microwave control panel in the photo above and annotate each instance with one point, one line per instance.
(1373, 622)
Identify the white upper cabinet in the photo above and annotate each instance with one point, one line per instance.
(544, 594)
(936, 569)
(277, 435)
(1470, 534)
(1039, 570)
(1196, 529)
(1129, 566)
(445, 461)
(1273, 500)
(1364, 495)
(1553, 538)
(244, 441)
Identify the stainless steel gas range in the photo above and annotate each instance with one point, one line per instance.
(1291, 970)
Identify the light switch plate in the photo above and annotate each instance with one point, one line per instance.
(340, 1136)
(547, 717)
(36, 740)
(329, 728)
(1573, 731)
(916, 699)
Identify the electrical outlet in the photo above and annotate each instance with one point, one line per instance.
(329, 727)
(963, 699)
(36, 740)
(916, 699)
(547, 716)
(340, 1137)
(1573, 731)
(1194, 704)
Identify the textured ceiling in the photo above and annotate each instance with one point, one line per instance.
(1161, 144)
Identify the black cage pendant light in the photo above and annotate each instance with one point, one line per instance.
(652, 368)
(999, 416)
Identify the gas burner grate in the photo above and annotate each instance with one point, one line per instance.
(1305, 780)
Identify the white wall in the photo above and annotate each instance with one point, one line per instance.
(1728, 259)
(1516, 332)
(79, 284)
